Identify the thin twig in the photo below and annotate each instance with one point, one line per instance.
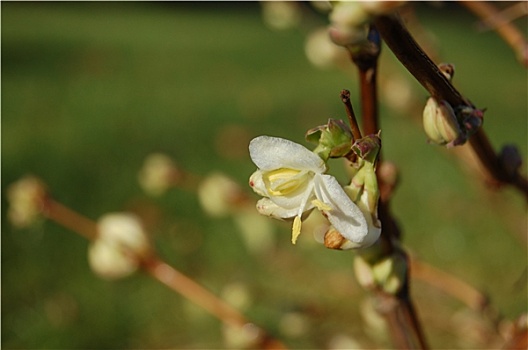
(70, 219)
(366, 60)
(345, 98)
(449, 284)
(491, 16)
(166, 274)
(409, 53)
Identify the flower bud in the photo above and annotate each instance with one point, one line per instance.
(281, 15)
(377, 7)
(334, 139)
(368, 147)
(158, 174)
(349, 24)
(364, 273)
(120, 246)
(448, 70)
(386, 273)
(245, 337)
(26, 198)
(219, 195)
(322, 52)
(471, 118)
(390, 273)
(441, 125)
(510, 159)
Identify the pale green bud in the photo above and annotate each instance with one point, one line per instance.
(334, 139)
(219, 195)
(441, 125)
(390, 273)
(364, 273)
(120, 246)
(158, 174)
(26, 198)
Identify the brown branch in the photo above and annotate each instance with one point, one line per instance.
(404, 325)
(398, 310)
(70, 219)
(426, 72)
(166, 274)
(366, 60)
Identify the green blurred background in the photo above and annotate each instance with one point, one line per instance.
(90, 89)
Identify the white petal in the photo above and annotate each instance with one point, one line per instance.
(257, 184)
(270, 153)
(266, 206)
(346, 216)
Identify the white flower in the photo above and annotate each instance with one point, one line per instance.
(292, 181)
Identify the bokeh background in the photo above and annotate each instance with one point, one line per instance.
(90, 89)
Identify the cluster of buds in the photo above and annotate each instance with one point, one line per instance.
(384, 273)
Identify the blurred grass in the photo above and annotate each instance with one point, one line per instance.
(89, 89)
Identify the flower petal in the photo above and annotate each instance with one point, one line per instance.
(257, 184)
(266, 206)
(345, 216)
(270, 153)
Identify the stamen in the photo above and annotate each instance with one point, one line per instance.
(296, 229)
(321, 205)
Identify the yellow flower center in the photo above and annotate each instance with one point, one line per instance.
(284, 181)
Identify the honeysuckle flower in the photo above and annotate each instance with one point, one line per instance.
(292, 181)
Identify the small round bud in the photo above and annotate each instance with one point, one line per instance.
(377, 7)
(390, 273)
(219, 195)
(364, 274)
(280, 15)
(510, 159)
(26, 199)
(158, 174)
(349, 24)
(245, 337)
(120, 246)
(322, 52)
(448, 70)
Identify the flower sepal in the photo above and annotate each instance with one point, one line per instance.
(333, 139)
